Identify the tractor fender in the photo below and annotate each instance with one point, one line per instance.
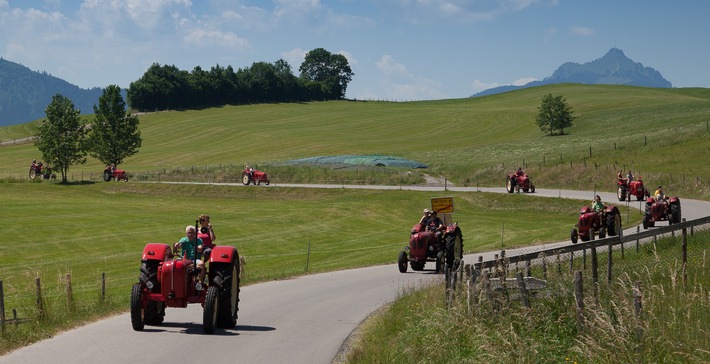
(223, 254)
(157, 251)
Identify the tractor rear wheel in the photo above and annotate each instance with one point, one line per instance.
(675, 212)
(621, 193)
(246, 179)
(230, 280)
(107, 176)
(613, 224)
(209, 315)
(402, 261)
(509, 185)
(645, 222)
(33, 173)
(136, 309)
(574, 236)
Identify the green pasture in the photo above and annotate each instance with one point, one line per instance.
(661, 134)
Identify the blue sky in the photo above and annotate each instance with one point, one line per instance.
(398, 49)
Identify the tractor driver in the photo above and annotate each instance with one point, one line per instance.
(435, 224)
(187, 245)
(424, 221)
(597, 204)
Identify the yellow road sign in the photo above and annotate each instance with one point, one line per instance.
(443, 205)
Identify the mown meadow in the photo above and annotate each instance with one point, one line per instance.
(88, 227)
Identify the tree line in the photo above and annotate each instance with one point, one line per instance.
(323, 76)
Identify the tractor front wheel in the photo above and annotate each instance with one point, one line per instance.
(509, 185)
(574, 236)
(402, 261)
(621, 193)
(209, 315)
(136, 309)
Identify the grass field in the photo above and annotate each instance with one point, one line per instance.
(87, 228)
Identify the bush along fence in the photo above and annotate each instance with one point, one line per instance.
(40, 309)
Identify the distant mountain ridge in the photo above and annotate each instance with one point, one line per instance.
(614, 68)
(25, 94)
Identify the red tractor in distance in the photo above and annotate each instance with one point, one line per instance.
(667, 209)
(167, 282)
(111, 173)
(424, 246)
(626, 189)
(519, 181)
(41, 170)
(607, 221)
(250, 175)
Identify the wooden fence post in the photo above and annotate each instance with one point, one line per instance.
(70, 295)
(2, 308)
(528, 273)
(609, 264)
(685, 256)
(595, 266)
(523, 290)
(38, 296)
(579, 299)
(638, 230)
(571, 262)
(638, 305)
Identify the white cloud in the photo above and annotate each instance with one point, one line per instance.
(212, 37)
(478, 86)
(583, 31)
(399, 84)
(524, 81)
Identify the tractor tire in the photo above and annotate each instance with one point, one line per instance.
(621, 193)
(209, 315)
(613, 224)
(574, 236)
(229, 277)
(602, 233)
(33, 173)
(675, 213)
(440, 262)
(402, 261)
(418, 266)
(125, 177)
(509, 185)
(454, 250)
(267, 182)
(107, 176)
(136, 309)
(154, 313)
(645, 222)
(532, 188)
(246, 179)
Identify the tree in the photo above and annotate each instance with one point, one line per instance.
(331, 71)
(61, 137)
(554, 115)
(114, 136)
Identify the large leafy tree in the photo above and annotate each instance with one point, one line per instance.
(331, 71)
(114, 136)
(554, 115)
(61, 137)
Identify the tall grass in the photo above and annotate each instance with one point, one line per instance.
(672, 325)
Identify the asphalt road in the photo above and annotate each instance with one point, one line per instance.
(300, 320)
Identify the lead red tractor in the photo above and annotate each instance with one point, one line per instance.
(425, 245)
(667, 209)
(250, 175)
(519, 181)
(115, 174)
(168, 282)
(41, 170)
(626, 189)
(607, 221)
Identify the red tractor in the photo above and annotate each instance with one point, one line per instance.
(167, 282)
(626, 189)
(607, 221)
(666, 209)
(519, 181)
(426, 246)
(111, 173)
(251, 175)
(42, 171)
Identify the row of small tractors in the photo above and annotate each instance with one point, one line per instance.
(608, 221)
